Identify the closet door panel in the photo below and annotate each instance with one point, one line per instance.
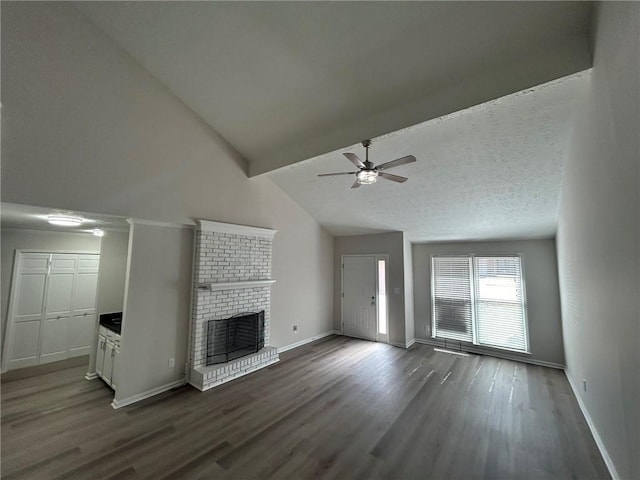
(81, 332)
(85, 292)
(60, 293)
(25, 344)
(54, 339)
(82, 328)
(25, 325)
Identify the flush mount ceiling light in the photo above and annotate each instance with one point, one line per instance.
(98, 232)
(63, 220)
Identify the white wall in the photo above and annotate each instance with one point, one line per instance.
(85, 127)
(113, 265)
(155, 325)
(46, 241)
(390, 244)
(302, 266)
(598, 241)
(539, 266)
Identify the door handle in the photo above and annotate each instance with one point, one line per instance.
(373, 301)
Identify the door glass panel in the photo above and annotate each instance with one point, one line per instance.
(382, 297)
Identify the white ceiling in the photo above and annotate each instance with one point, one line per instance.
(29, 217)
(286, 81)
(489, 172)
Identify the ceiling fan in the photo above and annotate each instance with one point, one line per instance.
(368, 173)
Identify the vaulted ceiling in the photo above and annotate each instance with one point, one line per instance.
(287, 81)
(291, 85)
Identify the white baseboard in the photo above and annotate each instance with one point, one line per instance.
(91, 375)
(404, 345)
(603, 451)
(495, 353)
(149, 393)
(308, 340)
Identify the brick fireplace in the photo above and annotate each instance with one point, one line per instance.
(232, 275)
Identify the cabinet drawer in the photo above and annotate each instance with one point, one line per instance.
(111, 335)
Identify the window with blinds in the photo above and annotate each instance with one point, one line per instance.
(452, 299)
(479, 299)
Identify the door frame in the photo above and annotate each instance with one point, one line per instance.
(377, 256)
(17, 264)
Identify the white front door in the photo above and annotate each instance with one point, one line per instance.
(359, 317)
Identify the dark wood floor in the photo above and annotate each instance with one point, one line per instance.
(342, 408)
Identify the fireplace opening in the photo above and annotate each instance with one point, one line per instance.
(235, 337)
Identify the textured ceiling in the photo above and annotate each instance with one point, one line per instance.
(286, 81)
(489, 172)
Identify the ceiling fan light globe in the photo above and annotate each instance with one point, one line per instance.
(367, 177)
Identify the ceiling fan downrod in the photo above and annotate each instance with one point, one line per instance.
(366, 144)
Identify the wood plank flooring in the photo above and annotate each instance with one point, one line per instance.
(338, 409)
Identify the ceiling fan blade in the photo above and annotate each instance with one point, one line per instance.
(356, 184)
(393, 178)
(339, 173)
(396, 163)
(354, 159)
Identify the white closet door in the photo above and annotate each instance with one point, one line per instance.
(53, 308)
(27, 312)
(81, 328)
(59, 307)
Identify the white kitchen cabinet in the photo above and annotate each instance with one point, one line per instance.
(108, 349)
(107, 369)
(102, 341)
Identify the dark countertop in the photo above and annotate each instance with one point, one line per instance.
(112, 321)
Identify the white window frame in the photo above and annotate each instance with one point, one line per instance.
(472, 257)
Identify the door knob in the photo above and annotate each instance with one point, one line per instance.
(373, 301)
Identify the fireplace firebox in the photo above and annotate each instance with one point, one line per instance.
(234, 337)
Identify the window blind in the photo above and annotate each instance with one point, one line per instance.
(500, 314)
(452, 300)
(479, 299)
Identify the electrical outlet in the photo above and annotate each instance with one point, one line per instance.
(171, 363)
(295, 328)
(584, 384)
